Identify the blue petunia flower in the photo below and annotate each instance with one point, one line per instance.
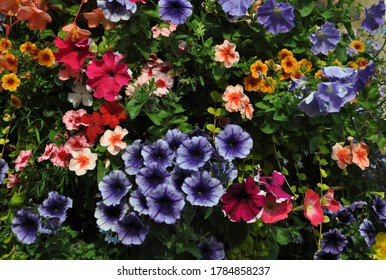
(194, 153)
(313, 105)
(325, 39)
(130, 230)
(50, 225)
(174, 138)
(114, 186)
(25, 225)
(165, 204)
(1, 19)
(211, 249)
(364, 75)
(132, 157)
(108, 216)
(336, 94)
(179, 175)
(150, 177)
(3, 169)
(139, 202)
(55, 206)
(176, 11)
(276, 17)
(236, 8)
(367, 230)
(116, 10)
(333, 242)
(158, 152)
(341, 74)
(374, 17)
(202, 189)
(232, 142)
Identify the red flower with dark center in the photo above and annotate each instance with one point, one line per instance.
(93, 125)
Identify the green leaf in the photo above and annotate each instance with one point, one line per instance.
(268, 128)
(323, 173)
(134, 108)
(302, 176)
(280, 117)
(17, 200)
(101, 171)
(194, 250)
(323, 187)
(305, 7)
(313, 144)
(283, 236)
(217, 72)
(216, 96)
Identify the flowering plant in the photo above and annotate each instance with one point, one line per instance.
(176, 129)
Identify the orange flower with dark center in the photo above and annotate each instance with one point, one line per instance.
(358, 46)
(362, 62)
(35, 53)
(289, 64)
(283, 53)
(46, 58)
(251, 83)
(5, 44)
(10, 82)
(305, 65)
(11, 63)
(296, 74)
(15, 101)
(258, 68)
(267, 85)
(27, 47)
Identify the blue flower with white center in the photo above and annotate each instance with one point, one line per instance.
(114, 186)
(139, 202)
(211, 249)
(25, 225)
(55, 206)
(130, 230)
(194, 153)
(158, 152)
(150, 177)
(276, 17)
(174, 138)
(108, 216)
(325, 39)
(176, 11)
(116, 10)
(132, 157)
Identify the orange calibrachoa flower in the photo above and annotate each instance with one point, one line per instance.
(226, 54)
(10, 82)
(11, 62)
(258, 68)
(289, 64)
(362, 62)
(342, 155)
(304, 65)
(234, 98)
(96, 17)
(359, 155)
(358, 46)
(27, 47)
(272, 65)
(46, 57)
(267, 85)
(283, 53)
(296, 74)
(251, 83)
(318, 74)
(337, 62)
(5, 45)
(15, 101)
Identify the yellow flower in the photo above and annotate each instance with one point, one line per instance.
(358, 46)
(379, 246)
(5, 44)
(46, 57)
(283, 53)
(267, 85)
(304, 65)
(251, 83)
(289, 64)
(28, 48)
(12, 63)
(258, 68)
(10, 82)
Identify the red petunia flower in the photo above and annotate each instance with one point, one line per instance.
(312, 208)
(328, 201)
(274, 185)
(243, 201)
(93, 125)
(72, 53)
(274, 211)
(112, 114)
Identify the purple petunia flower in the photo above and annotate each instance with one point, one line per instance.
(233, 142)
(333, 242)
(235, 8)
(211, 249)
(194, 153)
(150, 177)
(379, 207)
(202, 189)
(345, 216)
(179, 175)
(336, 94)
(55, 206)
(341, 74)
(174, 138)
(114, 186)
(108, 216)
(313, 105)
(374, 17)
(130, 230)
(132, 157)
(165, 204)
(158, 152)
(50, 225)
(25, 225)
(276, 17)
(367, 230)
(364, 75)
(116, 10)
(3, 169)
(176, 11)
(325, 39)
(139, 203)
(321, 255)
(222, 169)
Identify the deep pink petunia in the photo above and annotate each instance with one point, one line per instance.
(312, 208)
(72, 53)
(274, 211)
(274, 185)
(328, 201)
(107, 76)
(243, 201)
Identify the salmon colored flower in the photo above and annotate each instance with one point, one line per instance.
(15, 101)
(82, 160)
(359, 155)
(258, 68)
(312, 208)
(358, 46)
(274, 211)
(283, 53)
(247, 109)
(9, 7)
(251, 83)
(75, 33)
(96, 17)
(226, 54)
(289, 64)
(22, 160)
(342, 155)
(234, 98)
(46, 58)
(113, 140)
(37, 19)
(10, 82)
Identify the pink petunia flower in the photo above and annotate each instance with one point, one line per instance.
(13, 180)
(22, 159)
(312, 208)
(234, 97)
(107, 76)
(82, 160)
(328, 201)
(342, 155)
(48, 152)
(113, 140)
(78, 141)
(247, 109)
(72, 119)
(60, 156)
(274, 211)
(226, 54)
(274, 185)
(359, 155)
(72, 53)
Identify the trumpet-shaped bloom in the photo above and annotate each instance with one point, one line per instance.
(108, 216)
(93, 125)
(235, 8)
(194, 153)
(232, 142)
(10, 82)
(379, 207)
(158, 152)
(73, 53)
(274, 211)
(82, 160)
(274, 185)
(367, 230)
(226, 54)
(258, 69)
(112, 114)
(114, 186)
(116, 10)
(37, 19)
(151, 176)
(113, 139)
(374, 16)
(22, 159)
(139, 202)
(107, 76)
(312, 208)
(96, 17)
(333, 241)
(313, 105)
(25, 225)
(80, 95)
(55, 206)
(176, 11)
(174, 138)
(130, 230)
(359, 155)
(329, 202)
(342, 155)
(325, 39)
(276, 17)
(132, 157)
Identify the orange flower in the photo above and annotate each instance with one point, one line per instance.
(304, 65)
(37, 19)
(267, 85)
(11, 62)
(234, 98)
(296, 74)
(15, 101)
(75, 33)
(9, 7)
(318, 74)
(362, 62)
(358, 46)
(27, 47)
(247, 109)
(5, 44)
(352, 64)
(283, 53)
(283, 75)
(272, 65)
(342, 155)
(359, 155)
(46, 58)
(258, 68)
(35, 53)
(289, 64)
(95, 17)
(10, 82)
(251, 83)
(226, 54)
(337, 62)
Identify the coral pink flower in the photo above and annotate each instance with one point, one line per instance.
(72, 53)
(274, 211)
(78, 141)
(67, 72)
(22, 159)
(96, 17)
(359, 155)
(13, 180)
(274, 185)
(113, 140)
(234, 98)
(312, 208)
(342, 155)
(48, 152)
(107, 76)
(82, 160)
(60, 156)
(328, 201)
(37, 19)
(9, 7)
(75, 33)
(247, 110)
(226, 54)
(72, 118)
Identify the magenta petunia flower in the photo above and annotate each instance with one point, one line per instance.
(72, 53)
(107, 76)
